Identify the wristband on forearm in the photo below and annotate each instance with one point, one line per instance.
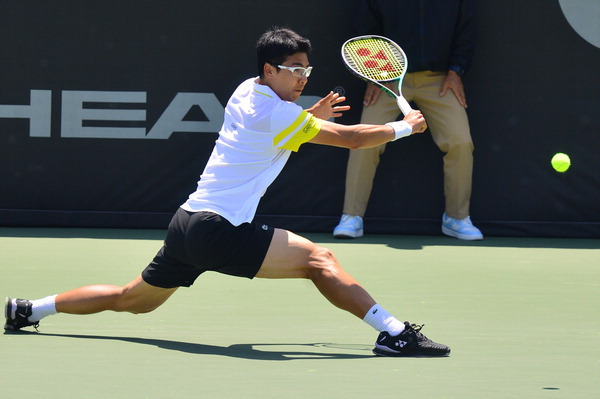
(401, 129)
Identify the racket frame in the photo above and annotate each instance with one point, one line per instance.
(400, 100)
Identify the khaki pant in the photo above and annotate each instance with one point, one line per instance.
(449, 128)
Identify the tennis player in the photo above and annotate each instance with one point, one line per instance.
(214, 229)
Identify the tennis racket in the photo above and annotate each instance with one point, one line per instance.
(377, 60)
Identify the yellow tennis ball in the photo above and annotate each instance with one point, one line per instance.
(561, 162)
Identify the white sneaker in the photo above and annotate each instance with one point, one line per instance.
(349, 227)
(462, 229)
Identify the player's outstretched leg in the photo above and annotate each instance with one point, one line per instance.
(292, 256)
(136, 297)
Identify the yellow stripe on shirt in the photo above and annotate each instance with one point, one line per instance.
(309, 130)
(300, 132)
(284, 133)
(264, 94)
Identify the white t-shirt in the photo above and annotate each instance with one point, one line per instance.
(258, 135)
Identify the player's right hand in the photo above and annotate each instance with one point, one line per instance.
(417, 121)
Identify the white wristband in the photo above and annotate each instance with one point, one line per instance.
(401, 129)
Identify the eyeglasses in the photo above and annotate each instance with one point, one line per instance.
(298, 72)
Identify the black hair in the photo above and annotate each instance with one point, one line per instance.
(275, 45)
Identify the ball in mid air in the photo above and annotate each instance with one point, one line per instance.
(561, 162)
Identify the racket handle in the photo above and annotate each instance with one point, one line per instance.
(403, 105)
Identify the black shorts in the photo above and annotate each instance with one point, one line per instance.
(201, 241)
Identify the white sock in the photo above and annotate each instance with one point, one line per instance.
(378, 318)
(41, 308)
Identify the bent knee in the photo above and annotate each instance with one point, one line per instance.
(322, 263)
(142, 310)
(140, 307)
(126, 301)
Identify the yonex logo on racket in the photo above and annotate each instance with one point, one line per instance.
(375, 60)
(375, 63)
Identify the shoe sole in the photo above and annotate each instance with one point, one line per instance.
(348, 233)
(383, 353)
(460, 236)
(7, 303)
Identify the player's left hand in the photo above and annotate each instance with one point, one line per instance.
(454, 82)
(328, 107)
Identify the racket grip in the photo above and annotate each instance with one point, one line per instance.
(403, 105)
(401, 129)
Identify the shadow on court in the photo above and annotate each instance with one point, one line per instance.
(241, 351)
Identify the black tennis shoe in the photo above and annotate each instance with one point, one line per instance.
(410, 342)
(17, 312)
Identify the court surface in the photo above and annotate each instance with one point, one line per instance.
(522, 316)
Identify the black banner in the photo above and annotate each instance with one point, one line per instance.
(109, 110)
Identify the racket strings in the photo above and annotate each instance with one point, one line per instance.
(375, 59)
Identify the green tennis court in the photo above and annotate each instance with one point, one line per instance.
(522, 316)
